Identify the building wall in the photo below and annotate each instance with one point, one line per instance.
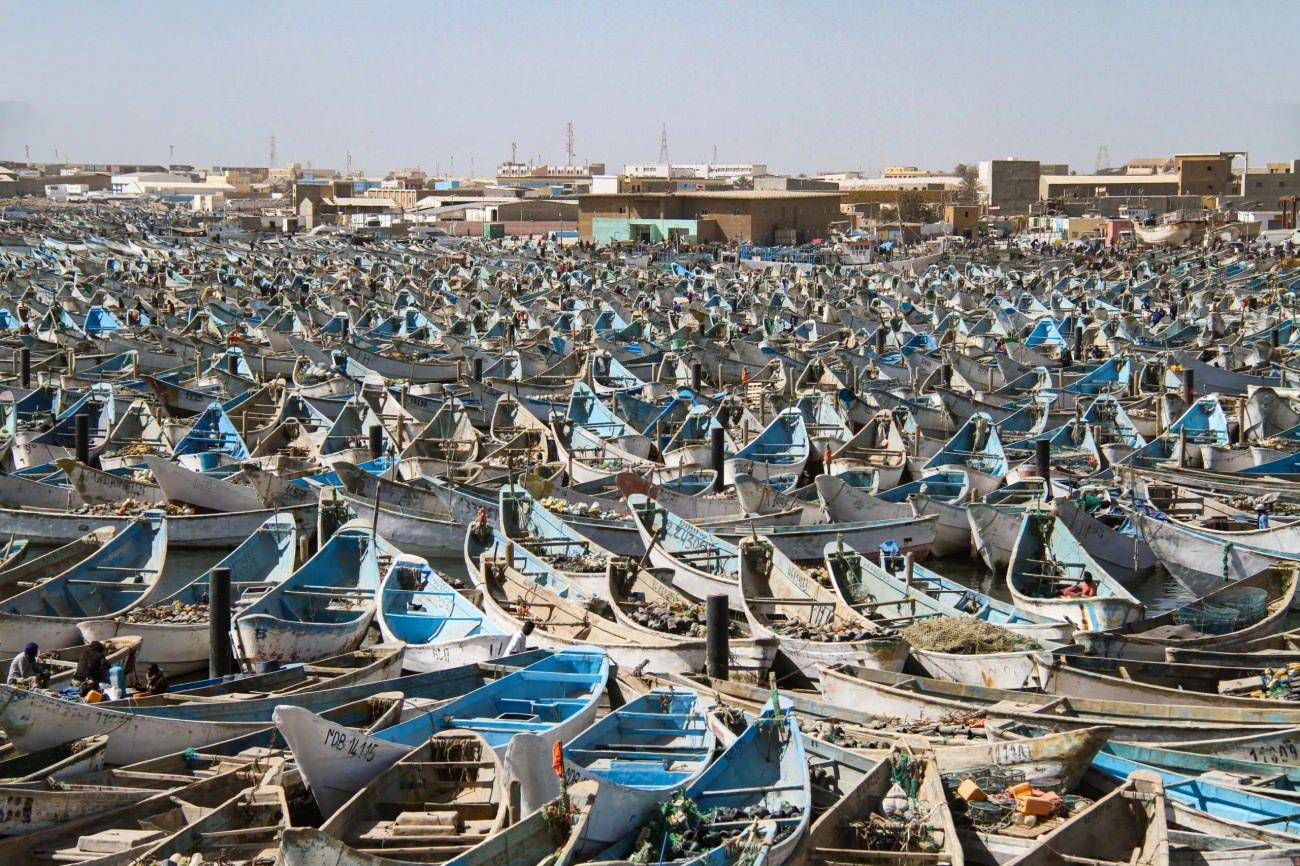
(1267, 188)
(964, 219)
(1011, 185)
(1091, 186)
(1209, 174)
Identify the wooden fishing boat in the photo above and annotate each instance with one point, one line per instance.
(765, 766)
(122, 574)
(40, 806)
(439, 801)
(65, 761)
(1127, 826)
(639, 756)
(323, 608)
(814, 625)
(858, 580)
(647, 602)
(205, 531)
(1046, 560)
(782, 448)
(243, 831)
(129, 829)
(11, 553)
(876, 594)
(440, 627)
(834, 838)
(911, 697)
(1269, 780)
(1203, 561)
(702, 564)
(975, 449)
(34, 721)
(24, 573)
(515, 587)
(1198, 804)
(1230, 617)
(262, 561)
(549, 701)
(546, 835)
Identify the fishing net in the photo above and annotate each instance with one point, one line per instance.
(1251, 602)
(965, 636)
(1208, 618)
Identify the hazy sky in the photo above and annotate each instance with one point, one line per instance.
(800, 86)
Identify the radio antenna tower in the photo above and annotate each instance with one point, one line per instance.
(1103, 158)
(349, 162)
(568, 143)
(271, 161)
(514, 152)
(663, 145)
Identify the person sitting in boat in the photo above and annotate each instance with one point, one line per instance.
(156, 680)
(1085, 588)
(519, 640)
(26, 666)
(93, 665)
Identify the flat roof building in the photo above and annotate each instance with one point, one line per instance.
(762, 217)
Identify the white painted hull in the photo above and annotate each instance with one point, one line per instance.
(35, 721)
(27, 810)
(260, 637)
(178, 649)
(1200, 565)
(993, 534)
(1086, 614)
(425, 657)
(952, 529)
(1014, 670)
(103, 487)
(179, 484)
(337, 761)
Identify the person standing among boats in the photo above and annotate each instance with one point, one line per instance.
(519, 640)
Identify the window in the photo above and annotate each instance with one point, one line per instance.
(622, 210)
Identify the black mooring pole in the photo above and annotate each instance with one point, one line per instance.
(716, 623)
(220, 658)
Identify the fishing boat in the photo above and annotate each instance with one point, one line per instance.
(639, 756)
(546, 835)
(1046, 560)
(1230, 617)
(33, 720)
(916, 697)
(837, 835)
(702, 564)
(849, 570)
(1199, 804)
(243, 831)
(24, 573)
(323, 608)
(782, 448)
(975, 449)
(1127, 825)
(766, 766)
(439, 801)
(440, 627)
(123, 574)
(179, 647)
(878, 595)
(814, 625)
(127, 829)
(549, 701)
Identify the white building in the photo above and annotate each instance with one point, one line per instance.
(698, 170)
(163, 183)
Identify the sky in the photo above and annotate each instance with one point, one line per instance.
(802, 87)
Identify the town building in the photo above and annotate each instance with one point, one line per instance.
(732, 171)
(761, 217)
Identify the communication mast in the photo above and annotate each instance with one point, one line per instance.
(568, 143)
(663, 145)
(1103, 158)
(271, 161)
